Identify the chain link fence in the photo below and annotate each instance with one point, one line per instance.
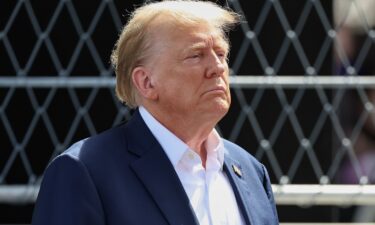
(301, 87)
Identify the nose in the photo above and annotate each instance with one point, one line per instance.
(216, 66)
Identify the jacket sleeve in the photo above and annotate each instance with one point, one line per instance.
(68, 195)
(268, 189)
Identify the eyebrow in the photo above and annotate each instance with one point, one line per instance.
(202, 45)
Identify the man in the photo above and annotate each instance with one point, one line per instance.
(167, 165)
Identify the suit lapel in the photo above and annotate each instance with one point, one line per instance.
(156, 172)
(240, 186)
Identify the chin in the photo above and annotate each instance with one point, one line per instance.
(220, 107)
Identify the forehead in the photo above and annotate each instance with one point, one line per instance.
(205, 38)
(169, 35)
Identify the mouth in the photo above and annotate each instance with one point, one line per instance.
(217, 89)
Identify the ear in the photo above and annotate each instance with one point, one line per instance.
(142, 81)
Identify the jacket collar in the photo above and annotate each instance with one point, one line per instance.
(240, 185)
(155, 171)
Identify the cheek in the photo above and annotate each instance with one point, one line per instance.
(177, 89)
(185, 83)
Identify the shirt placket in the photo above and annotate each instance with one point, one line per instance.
(199, 200)
(215, 204)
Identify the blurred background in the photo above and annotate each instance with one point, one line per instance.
(306, 111)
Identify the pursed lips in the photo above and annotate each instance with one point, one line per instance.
(216, 89)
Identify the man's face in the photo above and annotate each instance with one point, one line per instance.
(190, 71)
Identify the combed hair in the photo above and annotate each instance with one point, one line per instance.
(132, 47)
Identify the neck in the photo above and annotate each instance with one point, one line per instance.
(191, 129)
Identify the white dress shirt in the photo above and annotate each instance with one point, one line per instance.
(209, 191)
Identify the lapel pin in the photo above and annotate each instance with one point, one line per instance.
(237, 170)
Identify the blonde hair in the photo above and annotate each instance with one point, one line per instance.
(132, 47)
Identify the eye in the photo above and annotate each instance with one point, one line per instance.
(195, 55)
(221, 54)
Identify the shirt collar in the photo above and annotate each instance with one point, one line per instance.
(215, 147)
(175, 147)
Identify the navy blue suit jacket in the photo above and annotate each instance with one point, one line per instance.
(123, 177)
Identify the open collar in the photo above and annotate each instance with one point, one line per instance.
(155, 171)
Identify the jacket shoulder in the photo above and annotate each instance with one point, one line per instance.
(242, 156)
(239, 153)
(97, 146)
